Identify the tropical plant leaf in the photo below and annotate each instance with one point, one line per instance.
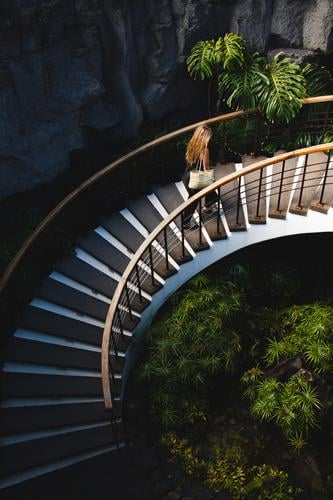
(280, 95)
(202, 60)
(237, 88)
(219, 50)
(318, 80)
(233, 51)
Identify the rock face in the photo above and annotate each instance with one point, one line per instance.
(69, 66)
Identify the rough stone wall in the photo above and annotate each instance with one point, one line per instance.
(68, 66)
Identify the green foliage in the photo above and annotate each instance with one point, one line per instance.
(207, 56)
(297, 441)
(188, 457)
(231, 51)
(281, 92)
(227, 471)
(202, 59)
(248, 483)
(237, 87)
(318, 80)
(248, 80)
(283, 280)
(268, 482)
(240, 275)
(245, 134)
(293, 403)
(195, 342)
(303, 331)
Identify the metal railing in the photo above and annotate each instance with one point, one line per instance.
(319, 121)
(316, 119)
(171, 235)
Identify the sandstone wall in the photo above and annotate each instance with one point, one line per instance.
(69, 66)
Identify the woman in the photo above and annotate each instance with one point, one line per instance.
(197, 152)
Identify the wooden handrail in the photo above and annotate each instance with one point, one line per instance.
(99, 175)
(109, 168)
(153, 235)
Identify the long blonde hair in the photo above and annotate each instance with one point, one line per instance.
(198, 143)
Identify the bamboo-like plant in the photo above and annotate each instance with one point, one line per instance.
(195, 342)
(292, 405)
(284, 393)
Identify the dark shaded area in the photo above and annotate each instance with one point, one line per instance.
(112, 475)
(308, 257)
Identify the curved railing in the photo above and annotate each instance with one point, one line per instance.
(171, 234)
(101, 174)
(319, 120)
(320, 123)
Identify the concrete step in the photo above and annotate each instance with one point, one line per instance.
(170, 197)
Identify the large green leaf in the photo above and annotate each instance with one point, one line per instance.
(318, 80)
(228, 52)
(238, 88)
(232, 51)
(202, 60)
(280, 96)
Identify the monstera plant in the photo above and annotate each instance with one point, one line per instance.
(248, 80)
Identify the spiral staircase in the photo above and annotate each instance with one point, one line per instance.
(60, 405)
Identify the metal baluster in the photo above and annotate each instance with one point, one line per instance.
(200, 221)
(166, 249)
(281, 185)
(114, 429)
(151, 265)
(183, 235)
(238, 201)
(111, 369)
(138, 282)
(256, 134)
(120, 324)
(259, 194)
(326, 117)
(289, 132)
(114, 344)
(218, 210)
(128, 302)
(299, 205)
(325, 178)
